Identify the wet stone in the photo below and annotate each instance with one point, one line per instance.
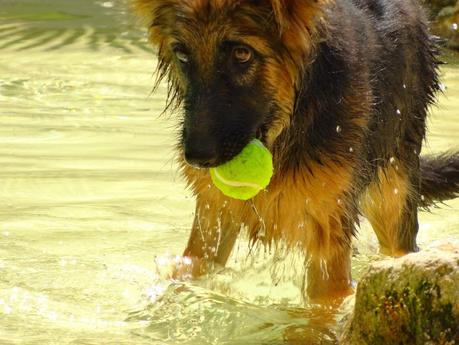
(410, 300)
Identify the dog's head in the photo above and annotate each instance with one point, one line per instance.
(235, 66)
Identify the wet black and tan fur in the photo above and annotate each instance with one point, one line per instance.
(338, 90)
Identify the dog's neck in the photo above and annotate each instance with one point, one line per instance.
(330, 117)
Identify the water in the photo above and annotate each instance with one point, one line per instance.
(92, 209)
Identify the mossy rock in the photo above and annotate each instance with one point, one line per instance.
(411, 300)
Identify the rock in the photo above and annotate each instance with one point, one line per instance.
(410, 300)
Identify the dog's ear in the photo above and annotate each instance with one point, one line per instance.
(145, 9)
(156, 15)
(299, 23)
(290, 13)
(281, 9)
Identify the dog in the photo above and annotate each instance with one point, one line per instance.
(338, 90)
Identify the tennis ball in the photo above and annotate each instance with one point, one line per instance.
(245, 175)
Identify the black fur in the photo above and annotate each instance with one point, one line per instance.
(439, 178)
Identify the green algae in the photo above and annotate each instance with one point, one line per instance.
(414, 315)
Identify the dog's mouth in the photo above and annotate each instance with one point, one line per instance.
(210, 152)
(228, 150)
(260, 134)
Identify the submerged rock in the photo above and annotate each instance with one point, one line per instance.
(410, 300)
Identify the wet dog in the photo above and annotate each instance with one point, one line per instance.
(338, 90)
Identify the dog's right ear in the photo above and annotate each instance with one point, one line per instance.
(155, 14)
(159, 17)
(144, 9)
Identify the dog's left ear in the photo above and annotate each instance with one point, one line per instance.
(299, 24)
(290, 13)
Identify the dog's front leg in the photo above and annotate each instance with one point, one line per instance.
(212, 238)
(329, 265)
(329, 279)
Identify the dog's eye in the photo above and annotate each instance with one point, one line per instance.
(242, 54)
(182, 56)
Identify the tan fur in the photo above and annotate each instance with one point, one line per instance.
(384, 203)
(304, 209)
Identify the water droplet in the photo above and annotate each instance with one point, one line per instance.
(338, 129)
(154, 292)
(161, 261)
(324, 269)
(340, 202)
(53, 316)
(399, 112)
(262, 232)
(423, 197)
(392, 160)
(404, 86)
(395, 191)
(351, 149)
(7, 309)
(454, 26)
(107, 4)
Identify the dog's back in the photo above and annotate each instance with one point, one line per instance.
(389, 51)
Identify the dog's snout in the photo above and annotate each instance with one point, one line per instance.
(201, 152)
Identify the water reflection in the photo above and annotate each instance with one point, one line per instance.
(52, 25)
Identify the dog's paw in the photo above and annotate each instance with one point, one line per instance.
(180, 268)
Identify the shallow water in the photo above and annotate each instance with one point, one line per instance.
(92, 208)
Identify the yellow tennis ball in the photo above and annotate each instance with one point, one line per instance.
(245, 175)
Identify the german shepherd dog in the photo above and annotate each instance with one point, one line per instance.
(338, 90)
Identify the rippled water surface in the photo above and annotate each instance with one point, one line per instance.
(92, 209)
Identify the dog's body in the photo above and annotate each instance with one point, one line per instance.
(338, 91)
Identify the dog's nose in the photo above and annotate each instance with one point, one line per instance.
(200, 153)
